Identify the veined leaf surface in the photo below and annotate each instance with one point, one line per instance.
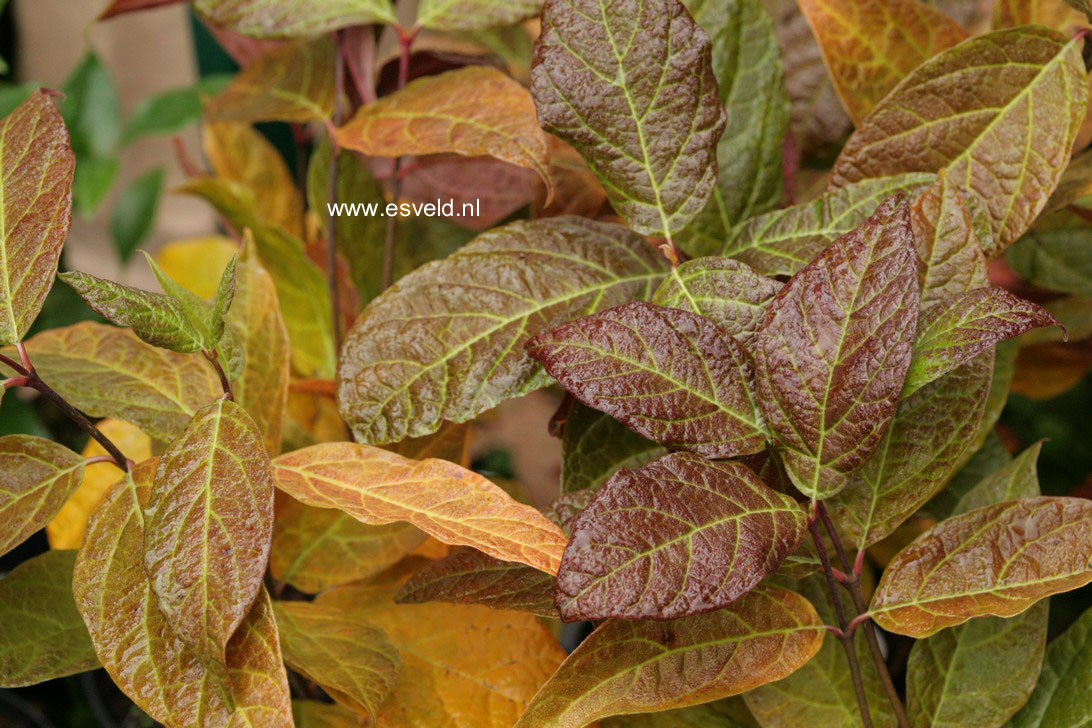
(834, 348)
(1018, 478)
(871, 45)
(1057, 14)
(1036, 95)
(351, 659)
(453, 504)
(595, 445)
(36, 478)
(630, 84)
(667, 374)
(679, 536)
(474, 14)
(272, 19)
(43, 636)
(36, 209)
(1060, 697)
(140, 649)
(949, 251)
(641, 666)
(725, 291)
(290, 83)
(208, 527)
(997, 560)
(446, 342)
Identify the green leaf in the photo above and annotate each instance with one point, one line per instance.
(43, 637)
(36, 478)
(997, 560)
(1060, 698)
(595, 445)
(350, 659)
(157, 319)
(92, 109)
(134, 214)
(172, 110)
(642, 666)
(37, 182)
(1033, 75)
(1016, 479)
(668, 375)
(11, 95)
(1054, 254)
(679, 536)
(747, 64)
(989, 458)
(725, 291)
(727, 713)
(447, 342)
(955, 333)
(834, 348)
(209, 522)
(649, 131)
(221, 304)
(451, 15)
(92, 182)
(105, 371)
(784, 241)
(467, 576)
(271, 19)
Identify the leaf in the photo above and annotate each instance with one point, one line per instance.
(473, 111)
(155, 318)
(301, 286)
(43, 636)
(195, 263)
(172, 110)
(596, 445)
(313, 714)
(997, 560)
(725, 291)
(294, 82)
(1051, 13)
(91, 109)
(727, 713)
(138, 646)
(209, 521)
(315, 549)
(468, 576)
(668, 375)
(967, 326)
(239, 153)
(444, 500)
(119, 7)
(255, 315)
(38, 167)
(67, 528)
(464, 666)
(446, 343)
(784, 241)
(134, 213)
(747, 62)
(1036, 81)
(271, 19)
(1054, 255)
(1016, 479)
(640, 666)
(648, 130)
(932, 434)
(679, 536)
(833, 351)
(474, 14)
(871, 45)
(350, 659)
(1060, 697)
(108, 372)
(36, 478)
(821, 692)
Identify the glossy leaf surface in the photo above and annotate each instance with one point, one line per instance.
(679, 536)
(997, 560)
(669, 375)
(443, 499)
(646, 115)
(596, 445)
(37, 192)
(446, 342)
(36, 478)
(209, 521)
(640, 666)
(834, 348)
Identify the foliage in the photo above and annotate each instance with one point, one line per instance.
(768, 354)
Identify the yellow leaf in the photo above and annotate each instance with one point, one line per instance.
(36, 478)
(1051, 13)
(196, 264)
(453, 504)
(474, 111)
(311, 419)
(313, 714)
(66, 529)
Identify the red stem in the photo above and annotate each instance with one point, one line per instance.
(405, 42)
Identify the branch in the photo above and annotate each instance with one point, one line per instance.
(214, 358)
(853, 583)
(405, 42)
(331, 195)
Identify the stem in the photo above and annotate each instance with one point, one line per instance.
(846, 637)
(405, 41)
(331, 196)
(214, 359)
(35, 382)
(853, 583)
(13, 365)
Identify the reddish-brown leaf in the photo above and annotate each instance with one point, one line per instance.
(119, 7)
(679, 536)
(36, 478)
(833, 352)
